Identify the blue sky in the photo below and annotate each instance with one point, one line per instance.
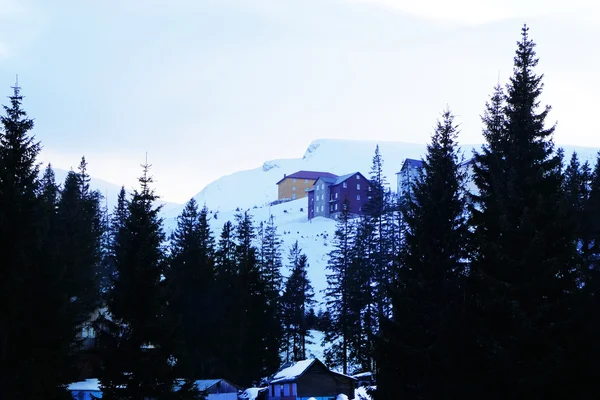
(210, 87)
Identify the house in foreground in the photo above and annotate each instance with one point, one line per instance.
(330, 195)
(297, 185)
(308, 379)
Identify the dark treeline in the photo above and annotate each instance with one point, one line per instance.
(444, 292)
(497, 291)
(170, 309)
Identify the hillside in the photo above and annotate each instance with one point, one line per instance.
(257, 187)
(253, 190)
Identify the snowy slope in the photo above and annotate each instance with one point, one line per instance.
(253, 190)
(313, 237)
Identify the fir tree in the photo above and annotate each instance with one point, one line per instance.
(416, 351)
(78, 235)
(190, 279)
(339, 292)
(33, 365)
(377, 221)
(524, 262)
(138, 361)
(295, 303)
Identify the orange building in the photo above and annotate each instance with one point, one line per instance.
(297, 185)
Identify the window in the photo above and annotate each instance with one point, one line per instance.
(293, 196)
(306, 181)
(370, 188)
(357, 176)
(336, 207)
(369, 197)
(294, 390)
(336, 195)
(321, 208)
(286, 389)
(345, 185)
(293, 179)
(317, 187)
(358, 197)
(358, 186)
(322, 186)
(294, 188)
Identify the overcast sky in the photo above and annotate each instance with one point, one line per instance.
(210, 87)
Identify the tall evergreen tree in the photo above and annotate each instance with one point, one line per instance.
(375, 216)
(138, 361)
(417, 356)
(33, 365)
(524, 262)
(78, 235)
(339, 292)
(295, 302)
(190, 279)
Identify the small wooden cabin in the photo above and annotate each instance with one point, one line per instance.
(308, 379)
(218, 389)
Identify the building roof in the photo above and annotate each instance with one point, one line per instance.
(205, 384)
(308, 175)
(328, 180)
(297, 369)
(89, 385)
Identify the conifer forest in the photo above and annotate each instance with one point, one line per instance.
(480, 284)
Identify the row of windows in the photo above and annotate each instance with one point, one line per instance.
(294, 180)
(294, 189)
(336, 196)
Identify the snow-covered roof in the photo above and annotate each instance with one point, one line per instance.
(89, 385)
(363, 374)
(294, 371)
(297, 369)
(205, 384)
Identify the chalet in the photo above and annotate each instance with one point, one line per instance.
(329, 195)
(407, 175)
(410, 169)
(308, 379)
(297, 185)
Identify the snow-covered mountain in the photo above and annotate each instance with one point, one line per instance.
(110, 192)
(254, 189)
(257, 187)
